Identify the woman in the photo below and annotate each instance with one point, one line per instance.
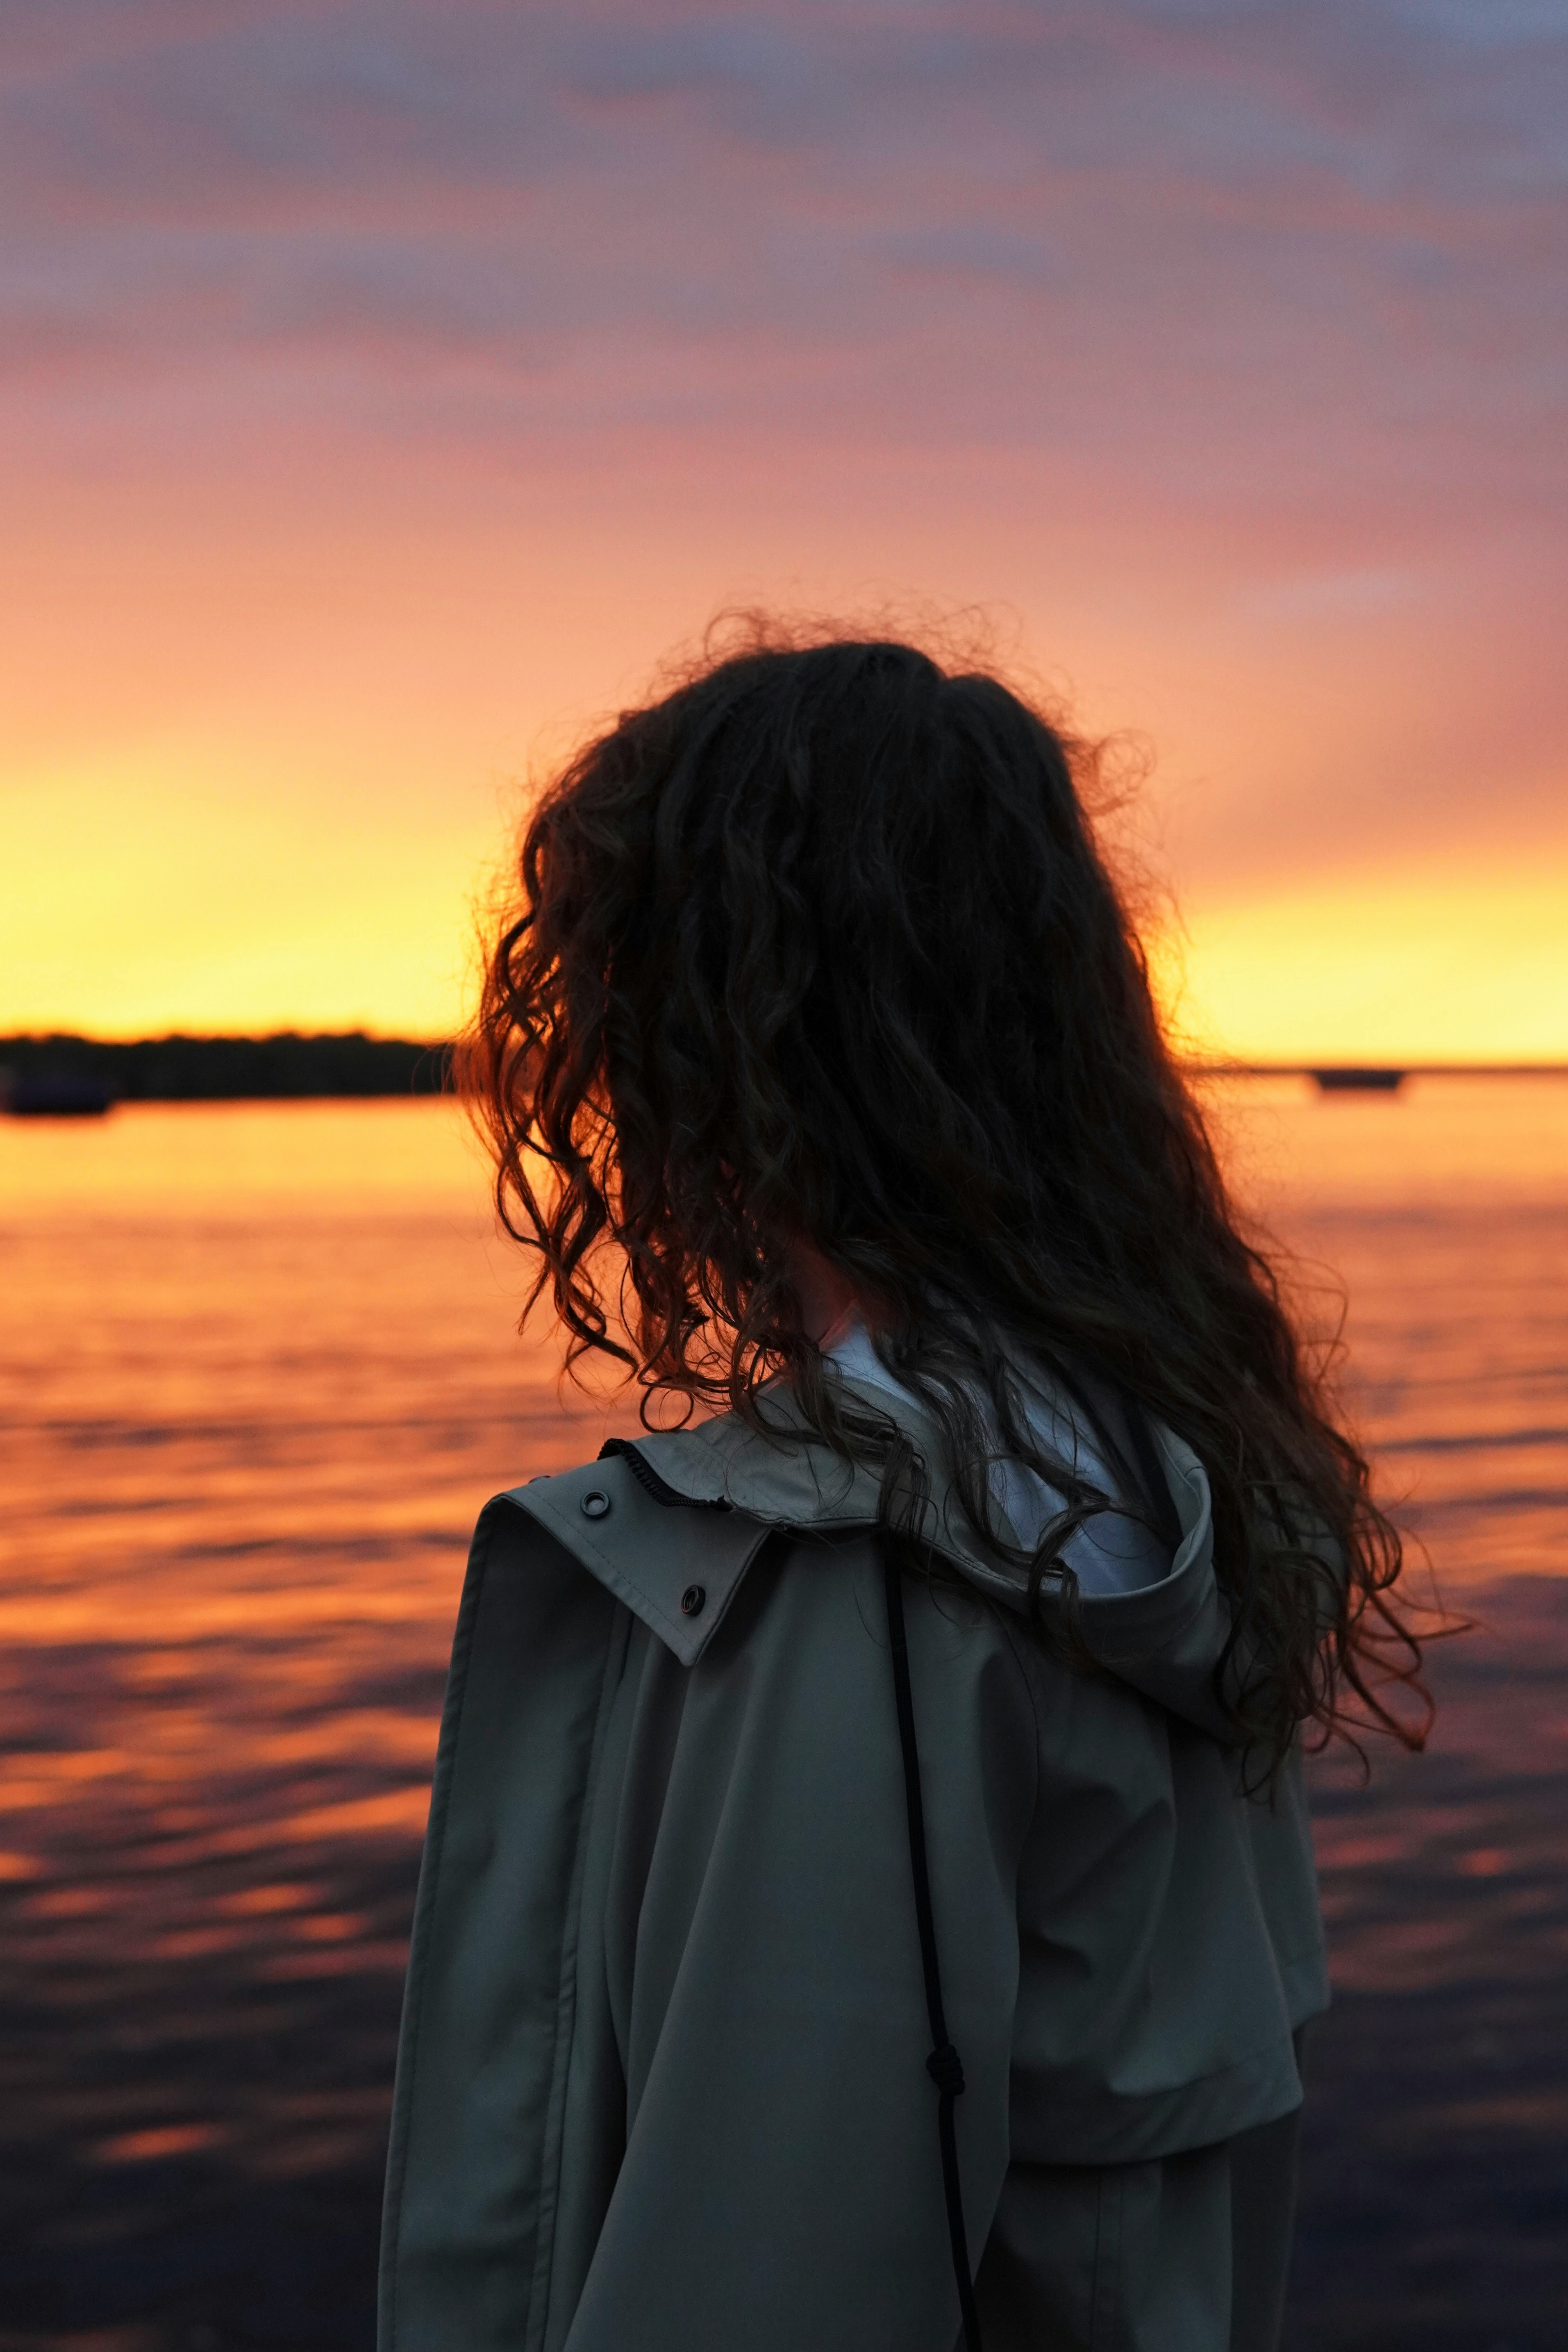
(868, 1903)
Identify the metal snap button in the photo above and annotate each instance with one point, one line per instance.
(595, 1503)
(692, 1600)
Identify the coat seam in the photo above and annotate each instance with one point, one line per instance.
(1021, 1669)
(1105, 2289)
(566, 1995)
(1238, 2065)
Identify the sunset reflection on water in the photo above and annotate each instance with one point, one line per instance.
(262, 1373)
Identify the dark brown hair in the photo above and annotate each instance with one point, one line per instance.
(820, 944)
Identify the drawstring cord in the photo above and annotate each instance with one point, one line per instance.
(944, 2066)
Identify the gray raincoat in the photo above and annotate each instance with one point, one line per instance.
(661, 2086)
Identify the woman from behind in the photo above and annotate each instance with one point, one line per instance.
(868, 1903)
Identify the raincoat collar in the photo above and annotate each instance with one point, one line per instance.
(746, 1483)
(1166, 1640)
(786, 1475)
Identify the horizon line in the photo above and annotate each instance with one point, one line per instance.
(1198, 1063)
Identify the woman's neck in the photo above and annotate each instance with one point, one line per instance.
(829, 1303)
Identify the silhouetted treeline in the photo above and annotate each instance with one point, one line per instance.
(221, 1069)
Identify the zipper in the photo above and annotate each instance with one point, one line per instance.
(648, 1479)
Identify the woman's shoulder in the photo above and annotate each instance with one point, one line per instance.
(734, 1549)
(676, 1559)
(672, 1521)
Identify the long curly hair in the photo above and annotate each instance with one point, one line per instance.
(820, 947)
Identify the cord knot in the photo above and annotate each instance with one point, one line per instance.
(946, 2070)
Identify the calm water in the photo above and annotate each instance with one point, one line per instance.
(260, 1374)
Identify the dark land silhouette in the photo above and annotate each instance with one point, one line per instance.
(66, 1076)
(62, 1076)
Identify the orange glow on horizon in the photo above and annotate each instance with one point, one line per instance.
(257, 813)
(1456, 964)
(150, 905)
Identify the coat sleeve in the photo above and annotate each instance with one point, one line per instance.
(482, 2056)
(780, 2185)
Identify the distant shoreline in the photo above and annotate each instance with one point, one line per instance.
(65, 1074)
(1383, 1078)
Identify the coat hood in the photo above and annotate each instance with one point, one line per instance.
(1163, 1640)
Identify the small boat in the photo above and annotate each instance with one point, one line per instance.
(54, 1094)
(1342, 1079)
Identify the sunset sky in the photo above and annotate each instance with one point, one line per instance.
(389, 387)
